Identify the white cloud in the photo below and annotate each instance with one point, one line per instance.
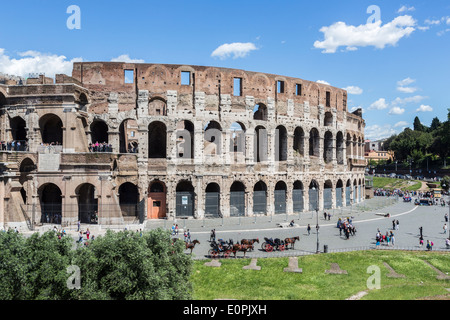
(322, 82)
(236, 49)
(407, 89)
(442, 32)
(431, 22)
(370, 34)
(405, 8)
(396, 111)
(126, 58)
(354, 90)
(405, 82)
(424, 108)
(413, 99)
(376, 132)
(402, 124)
(380, 104)
(36, 62)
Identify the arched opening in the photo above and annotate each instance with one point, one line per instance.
(99, 136)
(280, 197)
(360, 191)
(51, 129)
(50, 198)
(260, 112)
(355, 191)
(212, 200)
(328, 194)
(355, 149)
(348, 192)
(280, 144)
(83, 102)
(87, 203)
(314, 147)
(157, 107)
(157, 140)
(328, 147)
(185, 199)
(328, 119)
(18, 133)
(128, 139)
(128, 199)
(313, 194)
(156, 208)
(299, 142)
(339, 193)
(27, 165)
(260, 198)
(237, 142)
(185, 139)
(212, 144)
(260, 146)
(340, 148)
(348, 143)
(297, 197)
(237, 199)
(3, 101)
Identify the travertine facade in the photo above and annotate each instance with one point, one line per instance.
(181, 141)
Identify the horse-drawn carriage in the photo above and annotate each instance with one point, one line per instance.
(270, 244)
(220, 248)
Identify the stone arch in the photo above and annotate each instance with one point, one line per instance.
(128, 199)
(87, 203)
(313, 194)
(299, 141)
(261, 144)
(260, 197)
(237, 199)
(314, 143)
(185, 139)
(328, 119)
(297, 196)
(280, 195)
(280, 143)
(212, 200)
(185, 199)
(50, 198)
(328, 147)
(260, 112)
(157, 106)
(212, 144)
(339, 193)
(99, 131)
(157, 140)
(340, 148)
(128, 142)
(18, 130)
(157, 205)
(237, 137)
(51, 129)
(327, 194)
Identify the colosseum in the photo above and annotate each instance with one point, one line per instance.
(123, 142)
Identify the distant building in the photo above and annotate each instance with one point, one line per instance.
(378, 155)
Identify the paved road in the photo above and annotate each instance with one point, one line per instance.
(366, 219)
(410, 218)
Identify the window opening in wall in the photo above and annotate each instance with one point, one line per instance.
(298, 89)
(185, 78)
(328, 98)
(128, 76)
(237, 87)
(280, 86)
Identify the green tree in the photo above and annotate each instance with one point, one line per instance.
(127, 265)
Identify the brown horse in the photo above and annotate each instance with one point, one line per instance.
(291, 241)
(191, 245)
(250, 242)
(241, 247)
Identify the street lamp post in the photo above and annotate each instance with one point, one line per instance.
(317, 230)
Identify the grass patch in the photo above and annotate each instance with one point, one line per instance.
(230, 281)
(393, 183)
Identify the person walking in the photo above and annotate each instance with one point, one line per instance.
(79, 225)
(421, 232)
(308, 229)
(446, 216)
(397, 225)
(188, 235)
(445, 228)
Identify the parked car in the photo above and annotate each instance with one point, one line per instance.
(407, 176)
(406, 199)
(392, 175)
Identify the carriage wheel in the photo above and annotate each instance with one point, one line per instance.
(269, 248)
(227, 254)
(281, 247)
(212, 253)
(263, 246)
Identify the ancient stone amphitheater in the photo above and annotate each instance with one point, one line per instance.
(120, 142)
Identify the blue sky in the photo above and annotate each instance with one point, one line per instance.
(394, 67)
